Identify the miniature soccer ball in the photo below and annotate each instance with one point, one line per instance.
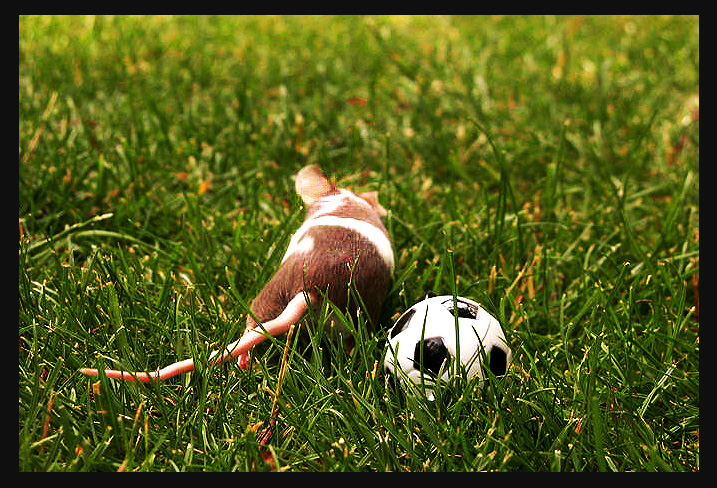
(423, 346)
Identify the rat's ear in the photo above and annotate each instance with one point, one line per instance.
(372, 198)
(312, 185)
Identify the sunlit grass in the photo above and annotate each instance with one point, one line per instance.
(547, 167)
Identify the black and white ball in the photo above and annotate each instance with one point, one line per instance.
(423, 344)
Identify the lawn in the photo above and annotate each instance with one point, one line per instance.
(547, 167)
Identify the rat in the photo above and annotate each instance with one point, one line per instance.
(342, 241)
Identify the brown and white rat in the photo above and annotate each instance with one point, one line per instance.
(341, 241)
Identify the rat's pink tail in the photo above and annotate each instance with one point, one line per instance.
(290, 316)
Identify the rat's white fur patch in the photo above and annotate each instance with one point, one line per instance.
(304, 245)
(370, 232)
(330, 204)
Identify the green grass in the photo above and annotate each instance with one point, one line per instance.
(547, 167)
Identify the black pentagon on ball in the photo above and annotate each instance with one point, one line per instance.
(432, 352)
(402, 322)
(498, 361)
(463, 309)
